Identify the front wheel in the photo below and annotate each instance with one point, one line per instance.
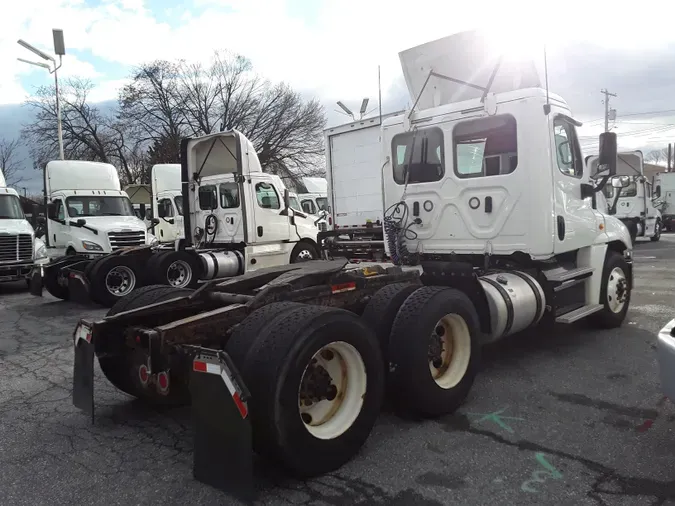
(657, 231)
(303, 252)
(615, 292)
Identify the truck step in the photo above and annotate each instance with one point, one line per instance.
(578, 314)
(562, 274)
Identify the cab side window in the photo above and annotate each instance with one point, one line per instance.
(164, 208)
(308, 206)
(60, 213)
(267, 196)
(567, 150)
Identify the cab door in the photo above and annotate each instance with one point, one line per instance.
(576, 223)
(271, 223)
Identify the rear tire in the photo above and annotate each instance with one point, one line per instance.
(119, 369)
(276, 372)
(433, 351)
(112, 278)
(179, 269)
(51, 284)
(381, 310)
(611, 292)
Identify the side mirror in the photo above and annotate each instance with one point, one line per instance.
(154, 221)
(287, 199)
(620, 181)
(607, 157)
(51, 210)
(80, 222)
(171, 221)
(148, 215)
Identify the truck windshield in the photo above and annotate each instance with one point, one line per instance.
(96, 205)
(322, 203)
(179, 205)
(10, 208)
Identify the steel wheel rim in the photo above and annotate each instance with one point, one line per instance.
(184, 274)
(617, 290)
(305, 254)
(332, 415)
(126, 284)
(449, 351)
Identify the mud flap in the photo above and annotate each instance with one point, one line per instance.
(83, 369)
(78, 287)
(36, 282)
(223, 452)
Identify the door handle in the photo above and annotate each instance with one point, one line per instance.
(260, 231)
(488, 204)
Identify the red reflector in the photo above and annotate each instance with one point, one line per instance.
(343, 287)
(199, 366)
(243, 410)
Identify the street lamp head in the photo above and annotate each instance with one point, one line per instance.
(36, 63)
(345, 108)
(35, 50)
(59, 45)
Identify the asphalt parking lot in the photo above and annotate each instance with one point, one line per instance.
(570, 417)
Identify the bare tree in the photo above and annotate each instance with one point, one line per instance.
(658, 156)
(10, 163)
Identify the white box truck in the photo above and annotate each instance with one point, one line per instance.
(354, 175)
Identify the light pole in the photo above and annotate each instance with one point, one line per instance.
(60, 51)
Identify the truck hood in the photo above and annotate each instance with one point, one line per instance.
(114, 223)
(15, 227)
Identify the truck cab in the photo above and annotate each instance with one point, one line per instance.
(635, 203)
(664, 191)
(17, 238)
(88, 213)
(234, 205)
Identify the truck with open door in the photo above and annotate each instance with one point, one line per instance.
(664, 191)
(493, 223)
(236, 218)
(167, 202)
(635, 205)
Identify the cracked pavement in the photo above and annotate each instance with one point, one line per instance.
(573, 416)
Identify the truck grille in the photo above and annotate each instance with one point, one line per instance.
(16, 248)
(126, 239)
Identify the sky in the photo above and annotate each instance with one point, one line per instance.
(332, 48)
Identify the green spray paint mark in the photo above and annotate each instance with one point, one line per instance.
(540, 476)
(497, 418)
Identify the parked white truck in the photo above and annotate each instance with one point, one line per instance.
(664, 190)
(484, 188)
(236, 218)
(19, 248)
(635, 205)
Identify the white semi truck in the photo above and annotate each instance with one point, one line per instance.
(19, 248)
(485, 193)
(235, 218)
(664, 191)
(635, 205)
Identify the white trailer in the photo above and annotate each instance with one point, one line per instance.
(664, 191)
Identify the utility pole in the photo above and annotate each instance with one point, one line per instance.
(606, 101)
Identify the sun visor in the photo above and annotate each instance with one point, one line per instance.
(459, 67)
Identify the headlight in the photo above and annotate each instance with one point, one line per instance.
(41, 252)
(91, 246)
